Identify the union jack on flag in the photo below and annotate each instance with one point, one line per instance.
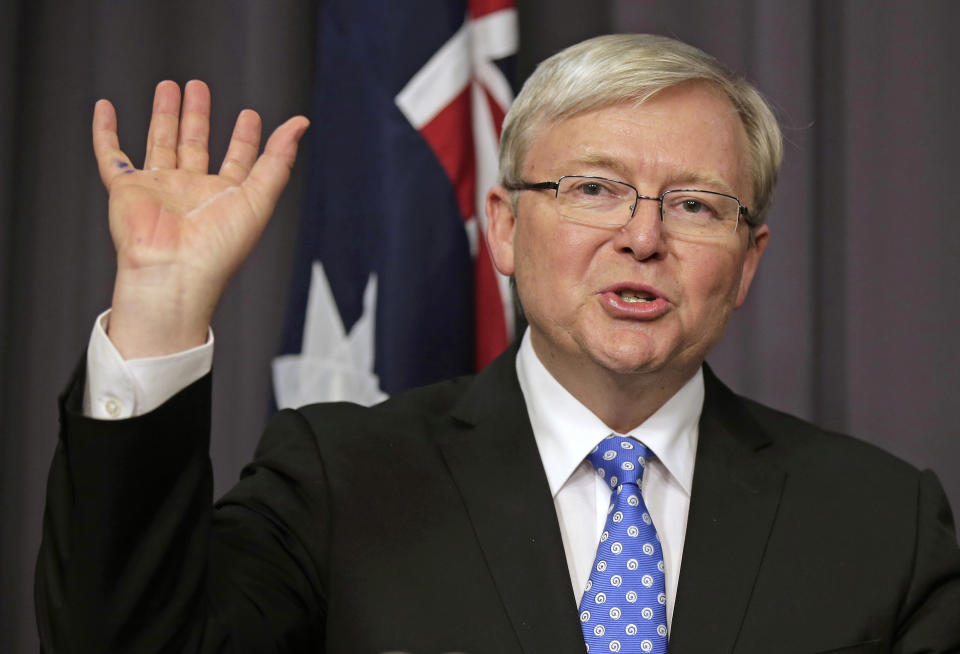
(393, 287)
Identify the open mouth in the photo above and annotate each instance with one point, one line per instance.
(632, 296)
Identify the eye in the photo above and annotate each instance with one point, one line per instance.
(700, 213)
(692, 205)
(594, 200)
(595, 188)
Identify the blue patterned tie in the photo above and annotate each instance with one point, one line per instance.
(624, 606)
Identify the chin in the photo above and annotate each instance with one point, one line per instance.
(628, 354)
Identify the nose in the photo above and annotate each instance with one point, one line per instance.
(642, 237)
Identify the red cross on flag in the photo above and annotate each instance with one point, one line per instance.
(393, 285)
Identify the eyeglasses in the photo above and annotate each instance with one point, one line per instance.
(609, 203)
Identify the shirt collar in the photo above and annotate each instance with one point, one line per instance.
(566, 431)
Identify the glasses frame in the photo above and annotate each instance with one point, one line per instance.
(555, 187)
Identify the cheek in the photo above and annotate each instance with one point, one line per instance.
(553, 269)
(533, 265)
(712, 279)
(553, 249)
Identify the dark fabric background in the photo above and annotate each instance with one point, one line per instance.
(851, 322)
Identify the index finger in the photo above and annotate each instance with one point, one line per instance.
(111, 161)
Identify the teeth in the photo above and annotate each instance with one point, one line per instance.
(633, 296)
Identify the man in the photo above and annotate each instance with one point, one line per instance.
(596, 486)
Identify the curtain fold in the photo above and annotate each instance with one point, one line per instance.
(57, 260)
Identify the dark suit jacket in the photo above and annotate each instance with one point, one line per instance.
(426, 525)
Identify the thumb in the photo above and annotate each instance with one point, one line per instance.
(271, 172)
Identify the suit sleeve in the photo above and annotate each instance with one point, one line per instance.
(135, 558)
(930, 615)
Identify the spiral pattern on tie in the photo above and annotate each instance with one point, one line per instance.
(623, 608)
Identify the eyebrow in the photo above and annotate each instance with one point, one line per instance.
(677, 178)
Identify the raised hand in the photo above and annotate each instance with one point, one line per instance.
(179, 232)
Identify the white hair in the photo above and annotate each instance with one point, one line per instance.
(631, 68)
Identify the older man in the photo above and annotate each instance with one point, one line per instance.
(595, 487)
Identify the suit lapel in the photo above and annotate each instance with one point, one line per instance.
(493, 459)
(733, 505)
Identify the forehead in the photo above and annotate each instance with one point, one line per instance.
(690, 134)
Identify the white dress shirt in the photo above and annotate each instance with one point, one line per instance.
(566, 432)
(116, 388)
(564, 429)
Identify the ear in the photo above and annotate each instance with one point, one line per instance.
(501, 223)
(761, 237)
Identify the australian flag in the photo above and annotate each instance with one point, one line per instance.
(393, 286)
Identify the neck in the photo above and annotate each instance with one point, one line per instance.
(622, 400)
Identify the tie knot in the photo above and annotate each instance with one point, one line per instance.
(619, 460)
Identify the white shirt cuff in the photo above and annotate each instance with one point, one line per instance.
(116, 388)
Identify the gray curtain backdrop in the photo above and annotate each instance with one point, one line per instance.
(851, 322)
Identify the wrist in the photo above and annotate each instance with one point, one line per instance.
(152, 320)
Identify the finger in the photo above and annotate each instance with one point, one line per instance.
(164, 125)
(111, 161)
(272, 170)
(194, 135)
(244, 147)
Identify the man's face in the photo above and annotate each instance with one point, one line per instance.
(576, 281)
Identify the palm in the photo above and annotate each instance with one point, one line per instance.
(172, 217)
(179, 232)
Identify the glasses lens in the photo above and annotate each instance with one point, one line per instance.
(595, 200)
(700, 213)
